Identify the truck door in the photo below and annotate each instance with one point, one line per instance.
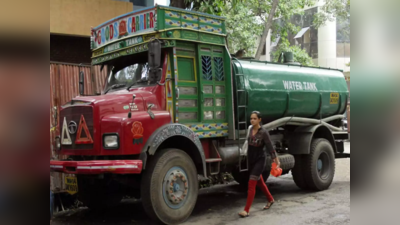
(212, 84)
(202, 94)
(188, 102)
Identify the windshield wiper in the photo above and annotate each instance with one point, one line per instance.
(114, 86)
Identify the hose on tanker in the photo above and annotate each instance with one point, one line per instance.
(303, 122)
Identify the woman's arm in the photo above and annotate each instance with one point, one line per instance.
(270, 148)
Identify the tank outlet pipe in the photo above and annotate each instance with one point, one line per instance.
(305, 121)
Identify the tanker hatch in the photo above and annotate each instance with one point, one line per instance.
(287, 58)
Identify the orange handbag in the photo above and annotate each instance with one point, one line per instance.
(276, 172)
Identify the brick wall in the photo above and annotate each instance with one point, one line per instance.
(70, 49)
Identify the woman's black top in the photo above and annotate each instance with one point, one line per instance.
(256, 154)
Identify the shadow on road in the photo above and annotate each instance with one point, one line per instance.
(215, 199)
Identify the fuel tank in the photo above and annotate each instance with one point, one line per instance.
(281, 90)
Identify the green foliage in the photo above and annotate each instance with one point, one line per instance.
(242, 27)
(299, 54)
(245, 21)
(331, 10)
(335, 9)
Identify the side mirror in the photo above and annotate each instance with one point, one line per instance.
(154, 60)
(81, 83)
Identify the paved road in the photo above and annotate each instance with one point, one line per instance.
(219, 205)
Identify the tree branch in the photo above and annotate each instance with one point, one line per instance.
(268, 25)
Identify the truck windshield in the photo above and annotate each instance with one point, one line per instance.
(132, 75)
(129, 71)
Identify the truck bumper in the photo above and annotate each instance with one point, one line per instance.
(97, 167)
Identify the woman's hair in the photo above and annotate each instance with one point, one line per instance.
(257, 113)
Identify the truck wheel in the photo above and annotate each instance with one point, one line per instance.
(320, 166)
(298, 172)
(98, 196)
(170, 187)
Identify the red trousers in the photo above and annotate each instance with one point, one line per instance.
(252, 192)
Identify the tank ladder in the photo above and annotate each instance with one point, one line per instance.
(241, 109)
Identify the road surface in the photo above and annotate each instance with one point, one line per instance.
(219, 205)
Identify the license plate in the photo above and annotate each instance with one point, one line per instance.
(72, 185)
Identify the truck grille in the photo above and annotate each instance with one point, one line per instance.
(74, 113)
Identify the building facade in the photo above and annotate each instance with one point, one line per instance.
(70, 26)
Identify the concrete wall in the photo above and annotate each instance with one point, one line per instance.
(76, 17)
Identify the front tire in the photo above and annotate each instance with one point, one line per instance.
(170, 187)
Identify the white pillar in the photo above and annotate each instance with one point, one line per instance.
(327, 44)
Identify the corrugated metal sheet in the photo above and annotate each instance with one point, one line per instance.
(64, 85)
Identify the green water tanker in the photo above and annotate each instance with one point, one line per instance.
(282, 90)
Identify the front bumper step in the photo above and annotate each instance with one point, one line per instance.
(97, 167)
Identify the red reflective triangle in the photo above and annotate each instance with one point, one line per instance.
(83, 140)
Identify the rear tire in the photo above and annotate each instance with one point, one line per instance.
(316, 170)
(298, 172)
(320, 168)
(170, 166)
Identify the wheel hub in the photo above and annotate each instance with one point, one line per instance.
(176, 187)
(323, 166)
(319, 164)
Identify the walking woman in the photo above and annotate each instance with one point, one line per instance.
(257, 140)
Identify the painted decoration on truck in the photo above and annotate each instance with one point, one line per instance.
(137, 131)
(190, 25)
(172, 23)
(176, 77)
(211, 29)
(176, 130)
(207, 126)
(172, 14)
(210, 21)
(127, 25)
(189, 17)
(209, 134)
(168, 90)
(128, 51)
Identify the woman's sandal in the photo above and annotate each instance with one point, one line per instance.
(244, 214)
(269, 205)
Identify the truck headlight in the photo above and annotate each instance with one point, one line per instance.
(111, 141)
